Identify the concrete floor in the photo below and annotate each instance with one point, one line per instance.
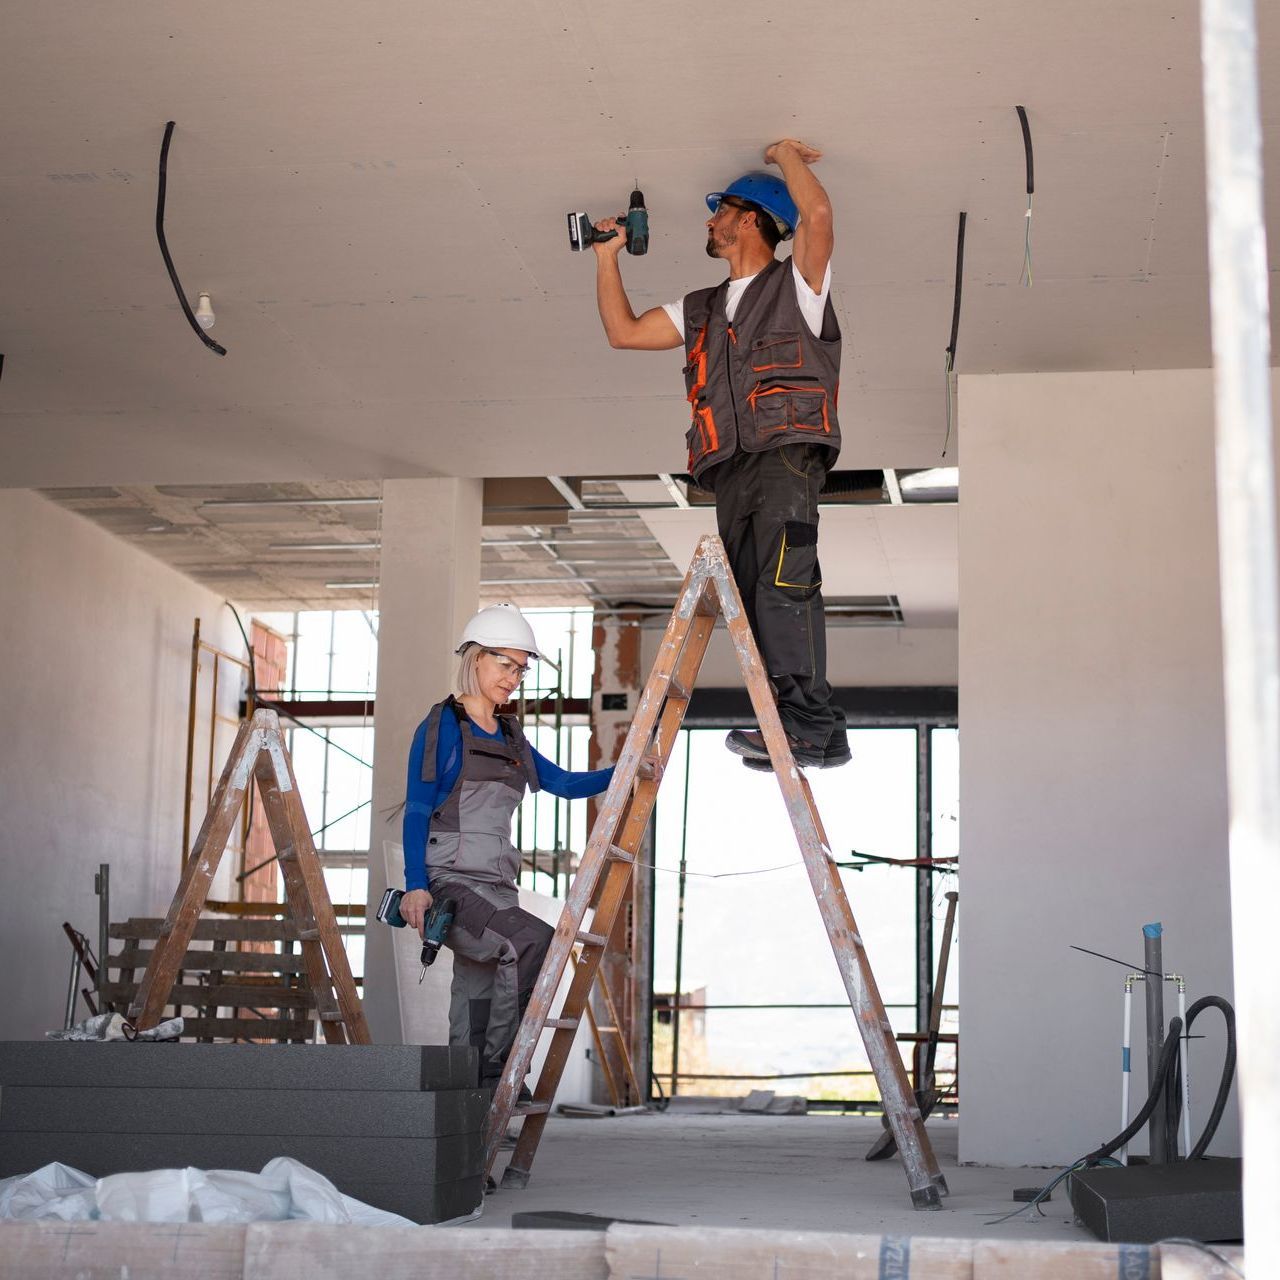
(803, 1173)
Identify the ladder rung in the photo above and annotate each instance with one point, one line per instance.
(620, 855)
(608, 1030)
(562, 1024)
(333, 1016)
(308, 935)
(531, 1109)
(592, 939)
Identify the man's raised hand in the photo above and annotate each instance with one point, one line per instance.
(803, 151)
(617, 242)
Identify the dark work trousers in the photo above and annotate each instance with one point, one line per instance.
(498, 950)
(767, 514)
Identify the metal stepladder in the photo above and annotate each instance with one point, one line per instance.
(604, 876)
(260, 753)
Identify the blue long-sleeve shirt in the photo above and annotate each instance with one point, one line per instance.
(422, 798)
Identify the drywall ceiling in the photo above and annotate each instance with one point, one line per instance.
(374, 194)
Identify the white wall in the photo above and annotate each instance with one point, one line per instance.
(96, 640)
(1093, 762)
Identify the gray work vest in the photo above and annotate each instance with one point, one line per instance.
(471, 830)
(762, 381)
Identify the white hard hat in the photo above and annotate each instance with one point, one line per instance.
(500, 626)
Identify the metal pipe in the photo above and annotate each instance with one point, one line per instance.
(69, 1020)
(191, 745)
(1238, 282)
(924, 902)
(1153, 962)
(1126, 1045)
(102, 887)
(680, 889)
(1186, 1067)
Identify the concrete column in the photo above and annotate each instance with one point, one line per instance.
(430, 586)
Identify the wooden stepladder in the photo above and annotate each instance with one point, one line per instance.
(260, 753)
(604, 875)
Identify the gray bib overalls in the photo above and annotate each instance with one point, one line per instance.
(497, 948)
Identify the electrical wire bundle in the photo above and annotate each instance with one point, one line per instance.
(1165, 1088)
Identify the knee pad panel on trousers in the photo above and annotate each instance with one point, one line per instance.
(478, 1022)
(529, 936)
(474, 912)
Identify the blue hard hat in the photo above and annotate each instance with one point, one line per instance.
(766, 190)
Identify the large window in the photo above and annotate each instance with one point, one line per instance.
(763, 1002)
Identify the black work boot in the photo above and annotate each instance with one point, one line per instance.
(834, 754)
(750, 744)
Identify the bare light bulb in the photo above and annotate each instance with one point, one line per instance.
(204, 312)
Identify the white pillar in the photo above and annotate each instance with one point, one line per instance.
(430, 586)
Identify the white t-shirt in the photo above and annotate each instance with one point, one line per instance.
(812, 304)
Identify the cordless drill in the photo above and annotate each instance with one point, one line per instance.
(435, 928)
(582, 235)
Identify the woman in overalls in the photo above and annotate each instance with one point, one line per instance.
(469, 768)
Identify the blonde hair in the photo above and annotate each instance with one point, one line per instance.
(468, 681)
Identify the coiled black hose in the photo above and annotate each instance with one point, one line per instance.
(1167, 1083)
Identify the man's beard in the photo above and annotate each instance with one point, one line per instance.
(714, 249)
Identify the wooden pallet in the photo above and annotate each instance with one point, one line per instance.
(261, 995)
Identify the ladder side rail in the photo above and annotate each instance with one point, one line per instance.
(148, 1005)
(606, 1066)
(628, 1071)
(305, 886)
(284, 838)
(833, 905)
(609, 815)
(612, 898)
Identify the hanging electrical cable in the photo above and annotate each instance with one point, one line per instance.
(164, 247)
(1025, 277)
(950, 362)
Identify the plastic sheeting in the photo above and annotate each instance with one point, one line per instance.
(284, 1190)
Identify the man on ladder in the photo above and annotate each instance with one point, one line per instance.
(762, 369)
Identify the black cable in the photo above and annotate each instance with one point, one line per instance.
(1133, 968)
(950, 363)
(955, 311)
(1026, 143)
(164, 247)
(1228, 1068)
(663, 1101)
(253, 684)
(1166, 1078)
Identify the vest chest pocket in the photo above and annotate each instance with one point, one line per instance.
(776, 351)
(796, 406)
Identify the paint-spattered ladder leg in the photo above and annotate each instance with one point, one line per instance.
(148, 1005)
(923, 1175)
(603, 875)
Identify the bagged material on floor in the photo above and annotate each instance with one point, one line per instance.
(285, 1190)
(112, 1026)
